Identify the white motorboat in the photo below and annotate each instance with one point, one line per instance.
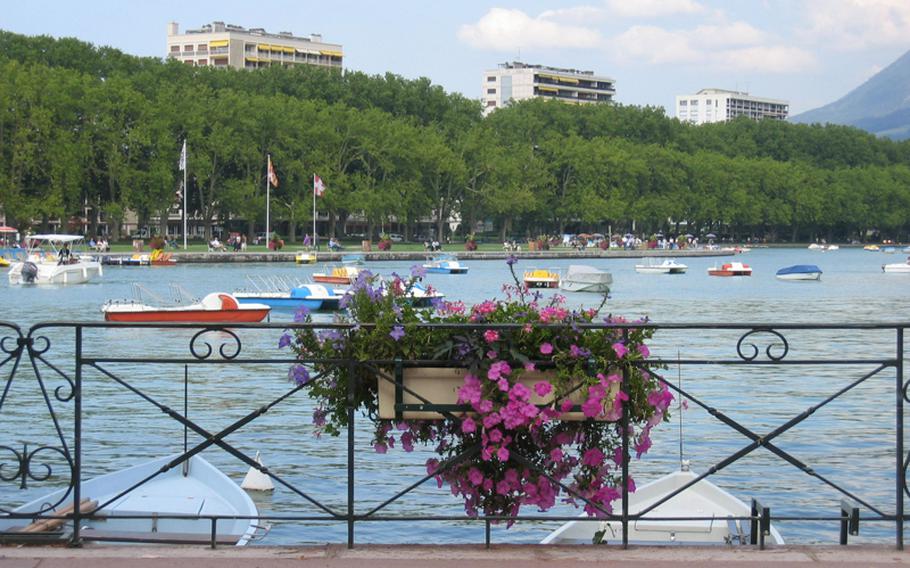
(445, 264)
(191, 490)
(668, 266)
(704, 499)
(800, 272)
(897, 266)
(54, 259)
(582, 278)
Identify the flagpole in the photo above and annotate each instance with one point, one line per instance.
(315, 246)
(185, 191)
(268, 183)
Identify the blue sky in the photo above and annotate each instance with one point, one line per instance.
(809, 52)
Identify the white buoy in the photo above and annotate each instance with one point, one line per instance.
(255, 480)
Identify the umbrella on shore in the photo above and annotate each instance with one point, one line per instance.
(711, 236)
(5, 229)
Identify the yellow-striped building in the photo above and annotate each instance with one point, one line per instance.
(225, 45)
(517, 81)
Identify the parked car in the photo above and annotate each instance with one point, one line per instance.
(396, 238)
(260, 238)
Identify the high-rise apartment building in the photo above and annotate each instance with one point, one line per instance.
(517, 81)
(225, 45)
(719, 105)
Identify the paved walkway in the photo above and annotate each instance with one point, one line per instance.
(501, 556)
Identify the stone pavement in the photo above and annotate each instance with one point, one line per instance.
(460, 556)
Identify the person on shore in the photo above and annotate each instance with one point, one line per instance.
(242, 243)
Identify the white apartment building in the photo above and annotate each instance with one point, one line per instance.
(719, 105)
(517, 81)
(226, 45)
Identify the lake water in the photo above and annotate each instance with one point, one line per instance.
(850, 441)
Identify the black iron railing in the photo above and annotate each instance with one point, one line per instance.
(59, 376)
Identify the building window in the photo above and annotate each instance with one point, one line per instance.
(491, 91)
(202, 47)
(491, 79)
(175, 49)
(202, 62)
(187, 48)
(683, 103)
(491, 103)
(189, 62)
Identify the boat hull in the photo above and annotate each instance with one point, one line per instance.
(703, 499)
(801, 276)
(729, 273)
(322, 279)
(439, 270)
(190, 316)
(204, 491)
(899, 267)
(534, 283)
(281, 303)
(79, 273)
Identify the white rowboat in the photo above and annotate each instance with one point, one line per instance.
(704, 499)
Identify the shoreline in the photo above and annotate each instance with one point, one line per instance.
(322, 257)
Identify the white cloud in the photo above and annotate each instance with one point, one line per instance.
(766, 59)
(505, 30)
(731, 46)
(653, 8)
(654, 45)
(576, 14)
(857, 24)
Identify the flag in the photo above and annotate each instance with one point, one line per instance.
(182, 164)
(318, 186)
(273, 179)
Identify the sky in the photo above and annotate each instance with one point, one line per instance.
(808, 52)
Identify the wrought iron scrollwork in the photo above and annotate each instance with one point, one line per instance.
(783, 345)
(38, 345)
(27, 467)
(225, 349)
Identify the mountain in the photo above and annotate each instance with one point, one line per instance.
(881, 105)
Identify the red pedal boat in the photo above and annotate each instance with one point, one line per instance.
(217, 307)
(731, 269)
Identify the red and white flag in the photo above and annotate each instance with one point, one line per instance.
(273, 179)
(318, 186)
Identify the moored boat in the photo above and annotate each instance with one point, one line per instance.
(217, 307)
(582, 278)
(871, 248)
(3, 262)
(310, 296)
(799, 272)
(731, 269)
(668, 266)
(718, 508)
(542, 278)
(305, 257)
(189, 493)
(345, 274)
(445, 264)
(54, 259)
(897, 266)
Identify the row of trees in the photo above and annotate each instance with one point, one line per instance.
(86, 129)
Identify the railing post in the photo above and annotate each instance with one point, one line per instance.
(899, 412)
(624, 424)
(77, 442)
(351, 394)
(849, 520)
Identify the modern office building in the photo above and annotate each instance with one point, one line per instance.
(719, 105)
(225, 45)
(517, 81)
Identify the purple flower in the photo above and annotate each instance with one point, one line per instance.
(543, 388)
(511, 260)
(284, 340)
(546, 348)
(418, 271)
(397, 333)
(593, 457)
(299, 374)
(301, 314)
(468, 425)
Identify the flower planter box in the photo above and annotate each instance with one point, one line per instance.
(439, 385)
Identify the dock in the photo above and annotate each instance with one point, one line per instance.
(449, 556)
